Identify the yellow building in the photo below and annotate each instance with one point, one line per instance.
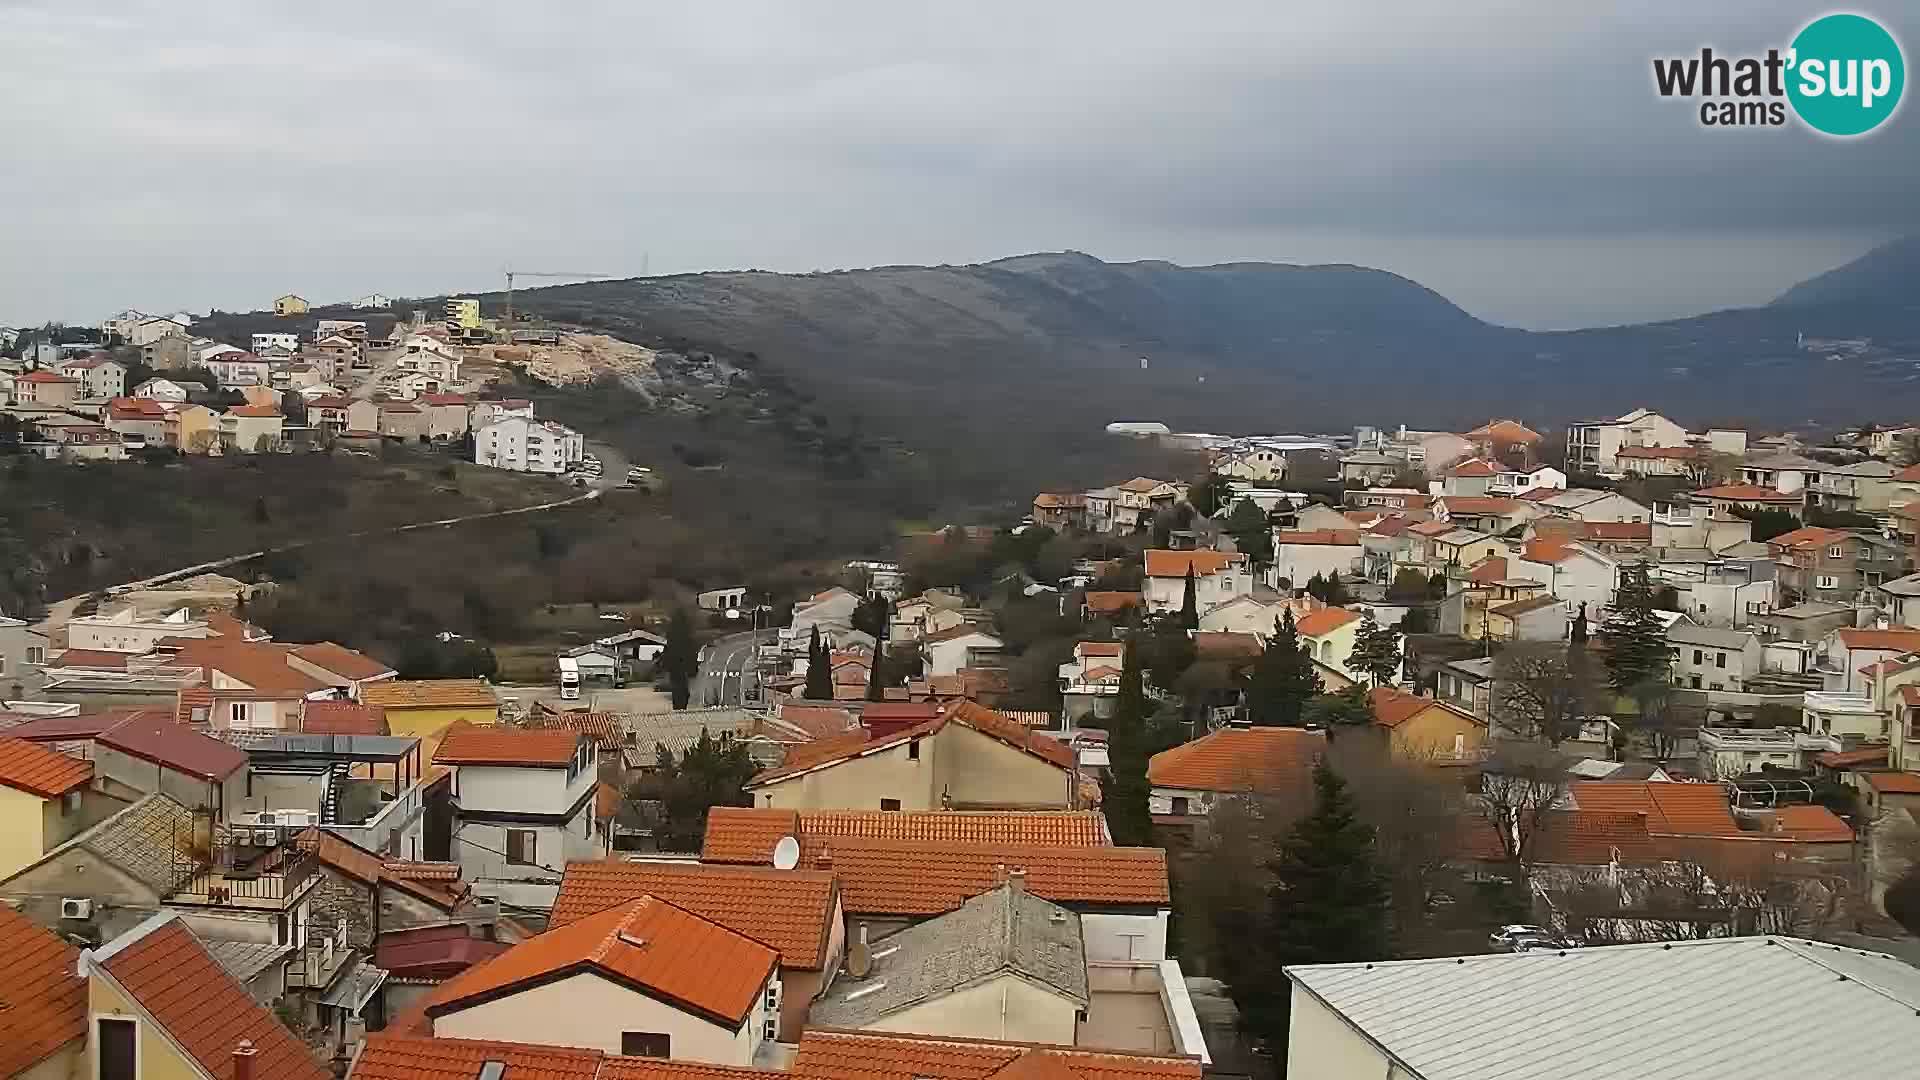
(463, 314)
(41, 796)
(1425, 729)
(424, 707)
(162, 1008)
(192, 429)
(290, 305)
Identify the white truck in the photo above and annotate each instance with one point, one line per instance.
(569, 679)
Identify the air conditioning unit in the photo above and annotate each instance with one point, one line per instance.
(76, 908)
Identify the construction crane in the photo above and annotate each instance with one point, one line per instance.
(511, 274)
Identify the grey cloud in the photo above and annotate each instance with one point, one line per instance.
(1514, 158)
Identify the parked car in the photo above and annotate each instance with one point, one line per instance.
(1522, 937)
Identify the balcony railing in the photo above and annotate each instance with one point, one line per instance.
(314, 966)
(258, 868)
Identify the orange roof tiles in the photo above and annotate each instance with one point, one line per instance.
(409, 1057)
(1099, 648)
(1572, 838)
(1325, 621)
(648, 945)
(342, 661)
(342, 718)
(37, 770)
(1239, 759)
(1896, 639)
(91, 658)
(828, 1054)
(43, 1002)
(1392, 707)
(600, 726)
(1866, 755)
(252, 410)
(204, 1012)
(1488, 570)
(1479, 504)
(1671, 809)
(1807, 536)
(987, 722)
(1110, 602)
(1746, 493)
(1432, 528)
(1505, 431)
(356, 862)
(1546, 551)
(430, 694)
(1474, 467)
(539, 748)
(1162, 563)
(787, 910)
(640, 1068)
(748, 834)
(1318, 537)
(1217, 645)
(1813, 824)
(923, 877)
(260, 665)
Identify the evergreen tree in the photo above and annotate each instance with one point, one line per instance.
(1317, 586)
(1190, 603)
(1252, 535)
(1170, 651)
(1342, 708)
(1283, 679)
(1207, 494)
(819, 685)
(680, 658)
(1328, 904)
(1376, 651)
(1637, 648)
(1409, 587)
(876, 689)
(1129, 745)
(1417, 620)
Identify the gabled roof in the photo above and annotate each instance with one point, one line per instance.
(1894, 783)
(537, 748)
(1671, 809)
(348, 858)
(1686, 633)
(997, 726)
(342, 661)
(1474, 467)
(1634, 1012)
(1480, 504)
(739, 834)
(827, 1054)
(790, 911)
(1895, 639)
(1325, 621)
(1318, 537)
(1812, 823)
(923, 877)
(1515, 608)
(647, 945)
(1162, 563)
(1239, 759)
(36, 770)
(1747, 493)
(43, 1002)
(1393, 707)
(163, 967)
(342, 718)
(1505, 431)
(389, 1056)
(1488, 570)
(430, 694)
(261, 411)
(1106, 602)
(1003, 931)
(156, 739)
(1807, 536)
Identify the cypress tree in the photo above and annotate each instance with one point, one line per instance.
(1129, 745)
(1190, 603)
(819, 674)
(1376, 651)
(876, 690)
(1283, 679)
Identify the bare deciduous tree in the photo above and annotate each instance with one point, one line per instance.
(1544, 690)
(1519, 787)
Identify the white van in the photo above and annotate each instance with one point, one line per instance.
(569, 679)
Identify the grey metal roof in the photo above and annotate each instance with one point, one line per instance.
(245, 959)
(1812, 609)
(356, 988)
(1006, 931)
(1753, 1008)
(1713, 637)
(1902, 586)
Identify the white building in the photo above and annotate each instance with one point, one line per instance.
(373, 300)
(99, 376)
(240, 369)
(1218, 577)
(525, 801)
(1709, 658)
(522, 444)
(161, 390)
(1298, 555)
(262, 342)
(1594, 445)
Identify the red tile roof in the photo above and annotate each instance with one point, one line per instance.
(1325, 621)
(1813, 824)
(926, 877)
(827, 1054)
(540, 748)
(1318, 537)
(748, 834)
(1393, 707)
(204, 1012)
(818, 721)
(1109, 602)
(1807, 536)
(1239, 759)
(1671, 809)
(1488, 570)
(1479, 504)
(966, 713)
(650, 945)
(356, 862)
(43, 377)
(790, 911)
(1572, 838)
(1853, 759)
(43, 1001)
(1746, 493)
(342, 718)
(1211, 645)
(1162, 563)
(91, 658)
(1474, 467)
(390, 1056)
(599, 725)
(1896, 639)
(37, 770)
(160, 741)
(1505, 431)
(261, 665)
(342, 661)
(1433, 528)
(253, 410)
(1545, 551)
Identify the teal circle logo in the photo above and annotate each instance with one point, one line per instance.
(1846, 75)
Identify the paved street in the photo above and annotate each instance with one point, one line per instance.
(729, 664)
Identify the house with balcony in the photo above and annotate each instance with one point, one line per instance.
(373, 790)
(1219, 576)
(1713, 658)
(1299, 555)
(1511, 483)
(1090, 682)
(523, 808)
(1467, 685)
(1594, 446)
(1865, 487)
(1899, 600)
(1728, 753)
(1848, 655)
(1813, 563)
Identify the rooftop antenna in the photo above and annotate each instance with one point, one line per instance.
(786, 853)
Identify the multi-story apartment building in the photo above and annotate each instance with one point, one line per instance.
(1594, 446)
(1814, 563)
(523, 444)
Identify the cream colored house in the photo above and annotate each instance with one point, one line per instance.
(645, 978)
(43, 802)
(250, 429)
(970, 757)
(290, 305)
(1329, 635)
(191, 429)
(1425, 729)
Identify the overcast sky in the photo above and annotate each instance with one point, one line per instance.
(166, 155)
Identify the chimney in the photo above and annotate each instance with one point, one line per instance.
(1017, 881)
(824, 860)
(999, 873)
(243, 1056)
(863, 933)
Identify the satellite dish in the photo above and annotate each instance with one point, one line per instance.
(786, 853)
(859, 960)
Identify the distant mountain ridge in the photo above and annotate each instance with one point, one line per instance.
(1035, 348)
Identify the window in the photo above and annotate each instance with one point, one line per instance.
(522, 849)
(889, 804)
(651, 1044)
(1826, 581)
(240, 714)
(1694, 681)
(1837, 551)
(3, 665)
(1180, 805)
(116, 1054)
(1719, 660)
(1698, 656)
(913, 750)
